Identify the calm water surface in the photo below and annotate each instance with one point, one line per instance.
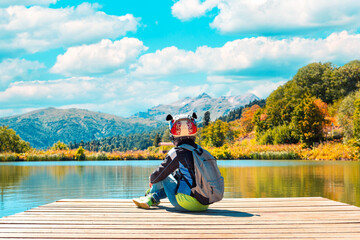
(25, 185)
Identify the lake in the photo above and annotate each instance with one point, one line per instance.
(25, 185)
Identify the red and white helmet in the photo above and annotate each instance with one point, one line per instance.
(182, 125)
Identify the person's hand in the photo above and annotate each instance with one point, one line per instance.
(150, 185)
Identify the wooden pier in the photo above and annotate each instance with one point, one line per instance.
(241, 218)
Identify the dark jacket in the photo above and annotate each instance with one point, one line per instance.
(180, 163)
(172, 161)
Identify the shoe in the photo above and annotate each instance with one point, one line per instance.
(145, 202)
(147, 193)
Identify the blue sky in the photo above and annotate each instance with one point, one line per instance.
(122, 57)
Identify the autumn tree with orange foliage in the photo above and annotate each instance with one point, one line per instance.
(308, 121)
(246, 120)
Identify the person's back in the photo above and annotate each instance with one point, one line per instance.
(175, 177)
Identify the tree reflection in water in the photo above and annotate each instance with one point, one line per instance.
(28, 185)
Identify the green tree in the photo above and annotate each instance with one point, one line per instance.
(206, 119)
(312, 79)
(346, 113)
(260, 123)
(59, 146)
(166, 136)
(281, 104)
(308, 121)
(266, 137)
(357, 119)
(217, 134)
(284, 134)
(156, 140)
(11, 142)
(348, 78)
(80, 154)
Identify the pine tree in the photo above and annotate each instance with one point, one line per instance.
(206, 119)
(156, 140)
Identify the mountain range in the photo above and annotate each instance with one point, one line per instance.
(216, 106)
(42, 128)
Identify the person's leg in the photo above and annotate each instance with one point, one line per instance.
(157, 190)
(152, 196)
(169, 185)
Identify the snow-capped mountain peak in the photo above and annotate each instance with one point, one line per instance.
(217, 106)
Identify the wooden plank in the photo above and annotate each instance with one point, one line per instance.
(296, 225)
(238, 237)
(213, 215)
(269, 218)
(185, 217)
(157, 217)
(220, 221)
(216, 205)
(178, 236)
(223, 200)
(165, 206)
(156, 230)
(161, 210)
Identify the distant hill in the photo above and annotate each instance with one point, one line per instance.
(217, 106)
(42, 128)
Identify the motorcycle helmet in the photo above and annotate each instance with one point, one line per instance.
(182, 125)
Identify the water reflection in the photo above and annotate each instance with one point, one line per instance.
(339, 181)
(27, 185)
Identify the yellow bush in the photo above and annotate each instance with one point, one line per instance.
(330, 151)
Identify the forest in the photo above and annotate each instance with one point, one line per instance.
(315, 115)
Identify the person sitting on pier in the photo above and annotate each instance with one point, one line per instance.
(188, 176)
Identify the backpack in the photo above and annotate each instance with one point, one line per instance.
(209, 182)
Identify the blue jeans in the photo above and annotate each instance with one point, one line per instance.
(166, 188)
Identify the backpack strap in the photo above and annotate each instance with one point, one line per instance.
(198, 149)
(192, 150)
(187, 147)
(179, 175)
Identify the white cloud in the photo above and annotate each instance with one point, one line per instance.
(274, 16)
(17, 69)
(187, 9)
(251, 56)
(263, 88)
(122, 97)
(167, 61)
(111, 95)
(39, 28)
(220, 79)
(16, 111)
(7, 112)
(235, 85)
(6, 3)
(103, 57)
(35, 93)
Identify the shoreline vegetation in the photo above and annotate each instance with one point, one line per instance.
(325, 151)
(313, 116)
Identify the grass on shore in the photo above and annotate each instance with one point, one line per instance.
(246, 149)
(70, 155)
